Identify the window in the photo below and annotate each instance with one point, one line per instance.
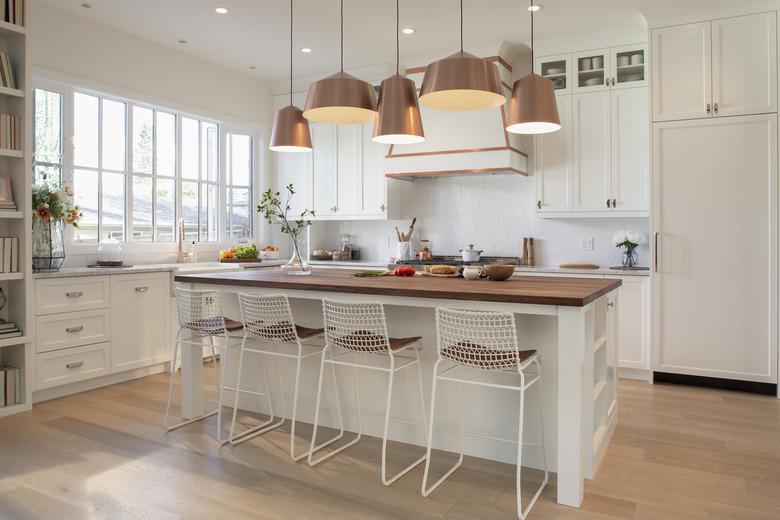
(47, 123)
(99, 166)
(200, 179)
(239, 185)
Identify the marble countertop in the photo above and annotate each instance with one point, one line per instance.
(600, 271)
(184, 268)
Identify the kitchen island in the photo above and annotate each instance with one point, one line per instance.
(571, 321)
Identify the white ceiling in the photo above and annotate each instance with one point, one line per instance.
(256, 32)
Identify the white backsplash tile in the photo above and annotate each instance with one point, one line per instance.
(493, 212)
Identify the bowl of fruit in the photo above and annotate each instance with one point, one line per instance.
(239, 254)
(269, 253)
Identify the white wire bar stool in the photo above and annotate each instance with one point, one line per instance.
(268, 322)
(360, 329)
(485, 341)
(200, 316)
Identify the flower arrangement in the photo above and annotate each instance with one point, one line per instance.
(629, 240)
(51, 202)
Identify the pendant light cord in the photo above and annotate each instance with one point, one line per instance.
(461, 27)
(342, 36)
(291, 52)
(532, 35)
(397, 39)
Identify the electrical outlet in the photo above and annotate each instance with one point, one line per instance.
(586, 244)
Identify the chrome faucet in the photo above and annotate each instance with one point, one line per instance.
(182, 256)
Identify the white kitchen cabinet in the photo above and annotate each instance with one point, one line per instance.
(324, 169)
(630, 149)
(634, 322)
(373, 186)
(140, 315)
(628, 66)
(293, 168)
(591, 155)
(591, 70)
(349, 166)
(553, 163)
(557, 69)
(716, 223)
(715, 68)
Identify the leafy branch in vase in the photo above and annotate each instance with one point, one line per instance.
(276, 212)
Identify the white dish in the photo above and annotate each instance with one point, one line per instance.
(592, 82)
(632, 77)
(554, 71)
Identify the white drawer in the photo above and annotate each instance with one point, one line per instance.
(53, 295)
(71, 365)
(71, 329)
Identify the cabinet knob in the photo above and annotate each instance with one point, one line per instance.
(608, 203)
(538, 204)
(382, 207)
(709, 108)
(610, 304)
(614, 203)
(715, 108)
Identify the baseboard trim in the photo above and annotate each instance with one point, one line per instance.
(752, 387)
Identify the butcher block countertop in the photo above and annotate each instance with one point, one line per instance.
(537, 290)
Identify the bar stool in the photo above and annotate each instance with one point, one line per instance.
(200, 315)
(268, 320)
(486, 341)
(355, 329)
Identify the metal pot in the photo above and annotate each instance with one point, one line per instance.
(470, 254)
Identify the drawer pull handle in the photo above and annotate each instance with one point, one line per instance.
(75, 329)
(74, 294)
(141, 289)
(75, 364)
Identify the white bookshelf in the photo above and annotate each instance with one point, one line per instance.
(18, 165)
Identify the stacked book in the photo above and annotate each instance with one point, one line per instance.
(10, 386)
(14, 11)
(8, 329)
(9, 255)
(10, 132)
(7, 76)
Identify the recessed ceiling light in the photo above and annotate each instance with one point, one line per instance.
(306, 50)
(408, 30)
(220, 10)
(535, 7)
(86, 5)
(182, 41)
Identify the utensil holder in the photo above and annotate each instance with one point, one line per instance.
(402, 251)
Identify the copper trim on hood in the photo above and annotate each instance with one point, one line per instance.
(435, 173)
(462, 150)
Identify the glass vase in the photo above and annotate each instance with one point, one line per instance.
(48, 245)
(629, 259)
(297, 265)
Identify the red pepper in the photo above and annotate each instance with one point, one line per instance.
(404, 270)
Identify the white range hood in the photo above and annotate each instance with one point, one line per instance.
(460, 143)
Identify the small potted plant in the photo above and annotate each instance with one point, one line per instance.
(52, 208)
(276, 212)
(629, 240)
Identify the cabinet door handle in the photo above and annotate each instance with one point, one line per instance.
(655, 255)
(75, 364)
(382, 207)
(715, 108)
(74, 294)
(610, 304)
(75, 329)
(614, 203)
(538, 204)
(141, 289)
(609, 203)
(709, 108)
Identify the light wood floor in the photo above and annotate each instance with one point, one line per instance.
(678, 453)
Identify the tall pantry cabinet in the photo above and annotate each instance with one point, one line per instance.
(715, 217)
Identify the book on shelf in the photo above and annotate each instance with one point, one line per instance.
(7, 76)
(11, 385)
(9, 255)
(14, 11)
(10, 132)
(9, 329)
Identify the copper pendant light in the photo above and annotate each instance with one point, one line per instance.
(290, 132)
(398, 120)
(341, 99)
(461, 81)
(533, 108)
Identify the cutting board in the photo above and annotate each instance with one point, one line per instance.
(578, 266)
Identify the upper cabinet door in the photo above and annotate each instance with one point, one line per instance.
(630, 149)
(373, 188)
(558, 70)
(350, 168)
(592, 177)
(553, 164)
(744, 65)
(629, 66)
(324, 169)
(591, 70)
(681, 59)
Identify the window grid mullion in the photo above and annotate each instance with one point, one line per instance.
(100, 171)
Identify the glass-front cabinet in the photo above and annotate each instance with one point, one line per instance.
(629, 66)
(558, 70)
(591, 70)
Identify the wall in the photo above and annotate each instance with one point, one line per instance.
(493, 212)
(71, 48)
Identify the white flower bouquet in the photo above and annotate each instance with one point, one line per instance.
(629, 240)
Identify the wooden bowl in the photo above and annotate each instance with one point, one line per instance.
(499, 272)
